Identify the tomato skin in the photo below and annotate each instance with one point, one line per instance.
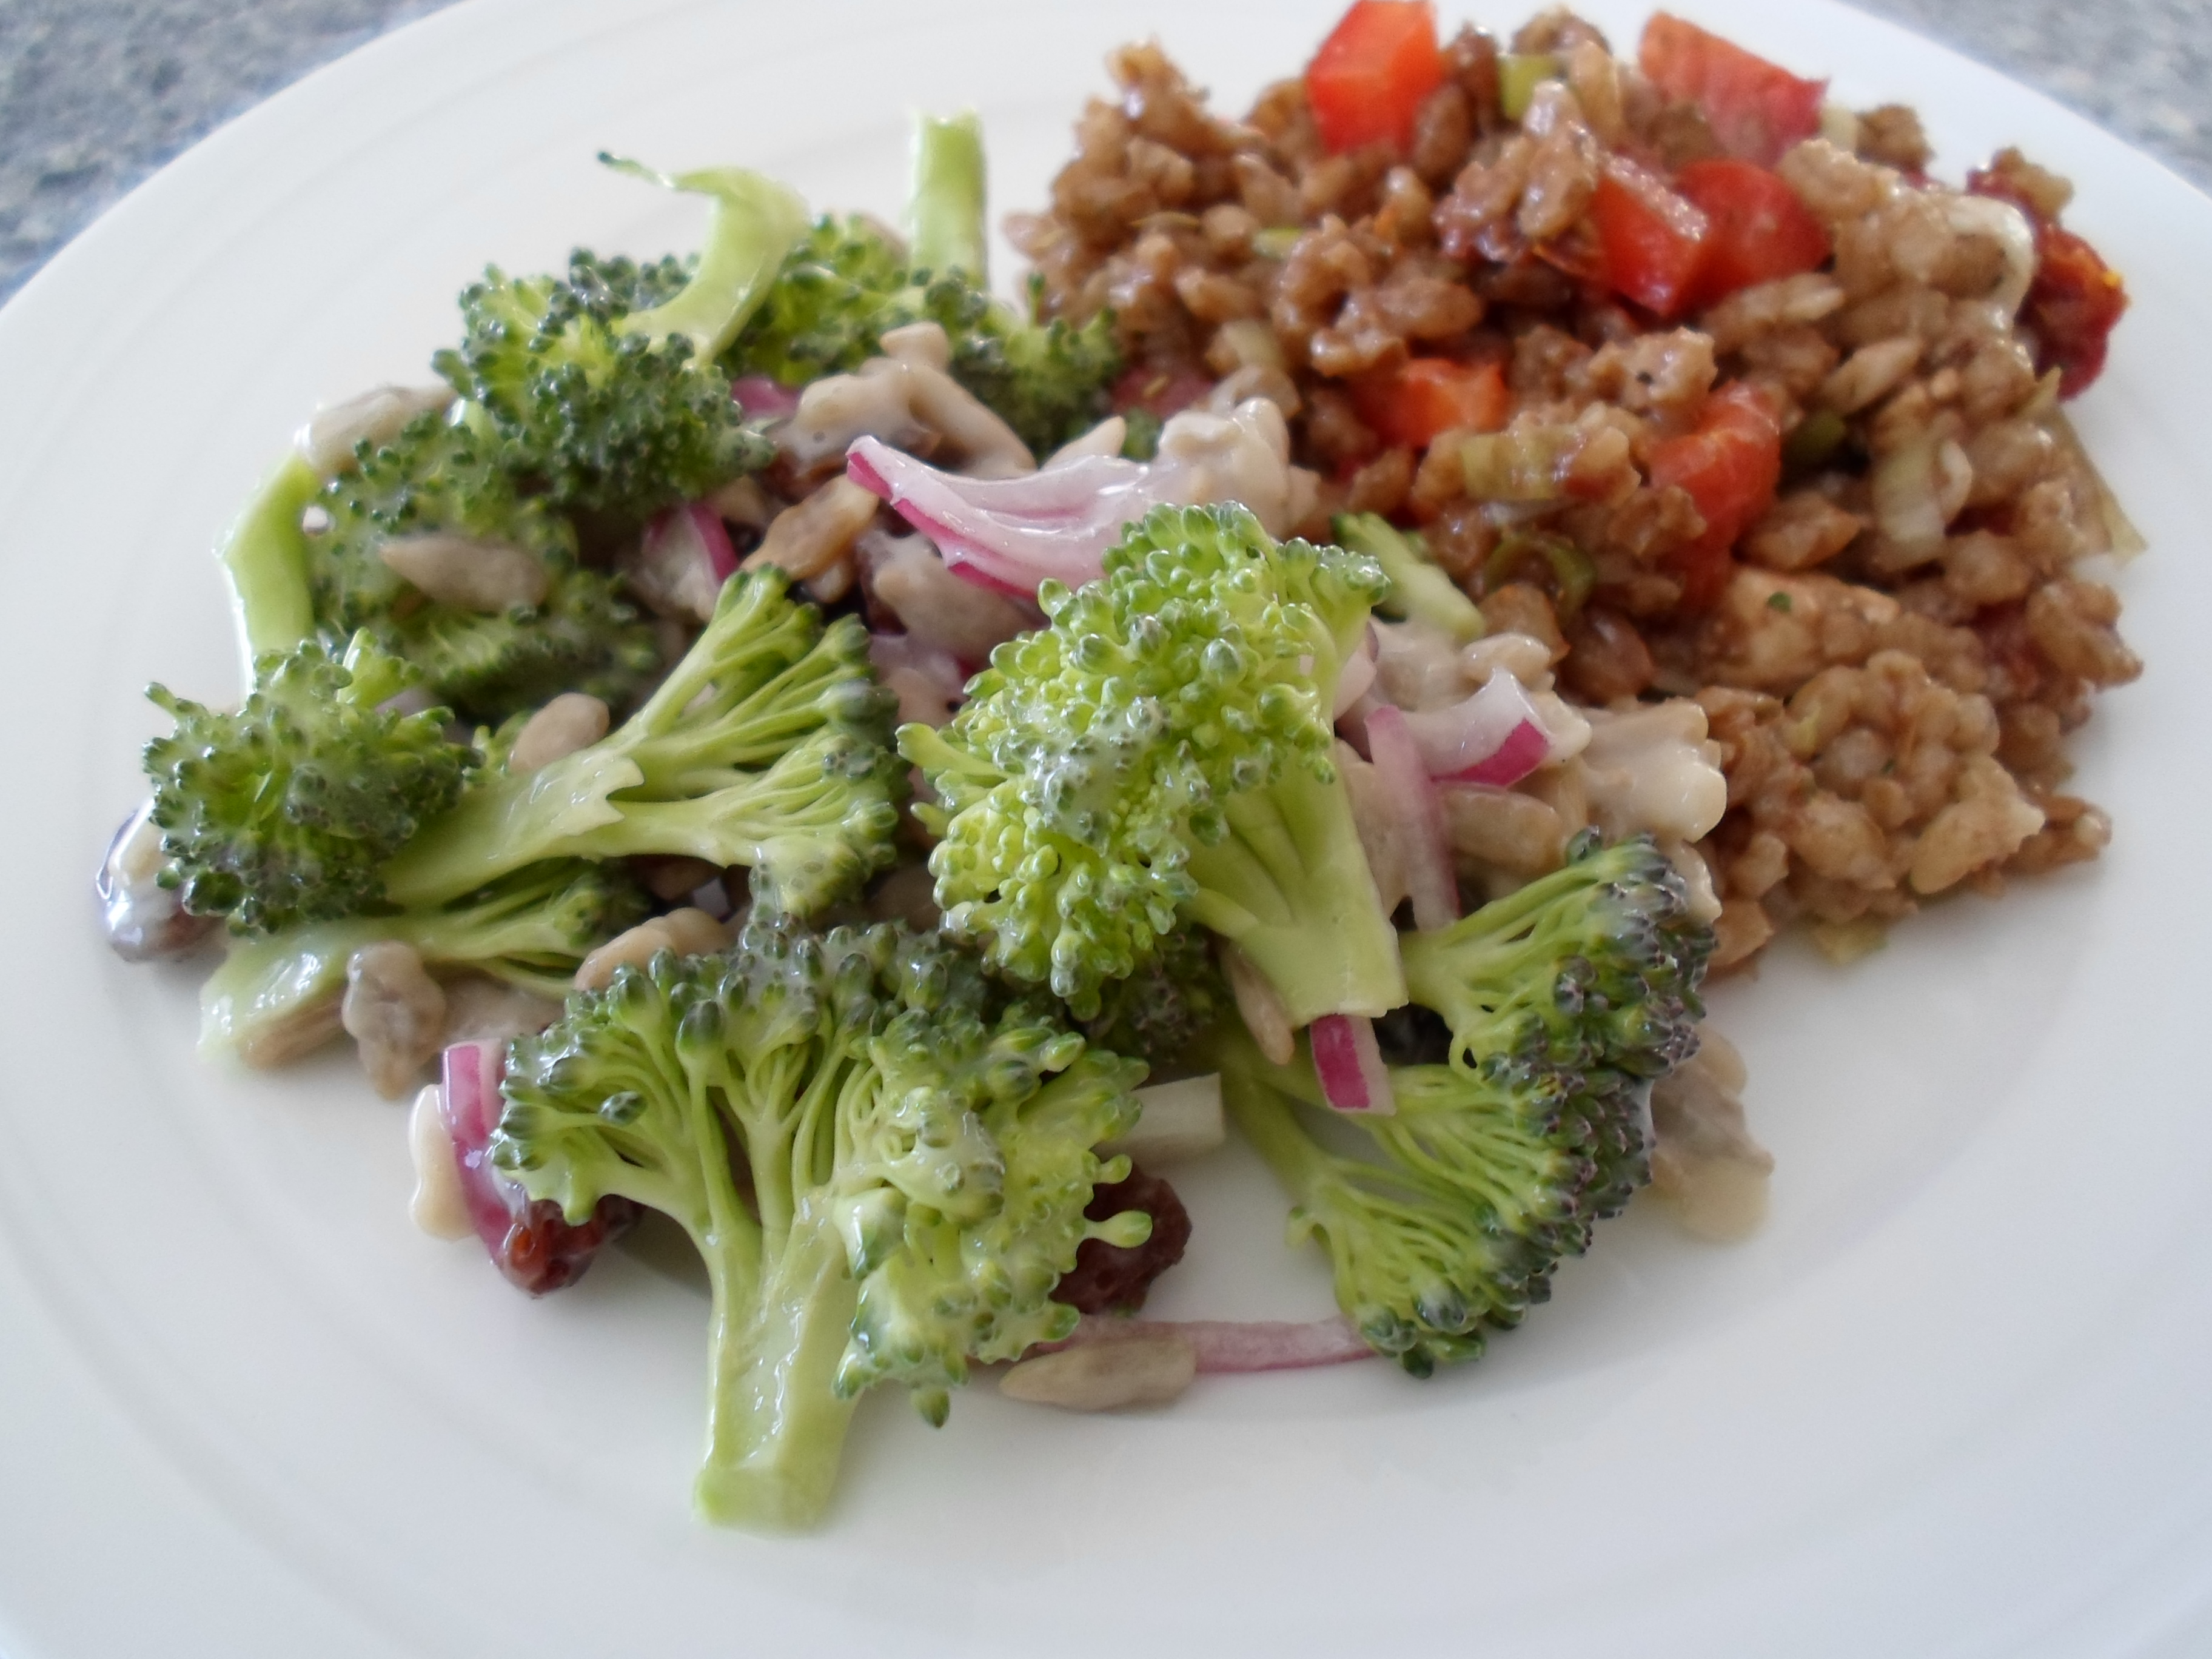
(1412, 405)
(1370, 78)
(2075, 299)
(1731, 466)
(1755, 109)
(2073, 305)
(1761, 231)
(1654, 239)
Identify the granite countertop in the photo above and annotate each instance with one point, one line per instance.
(96, 94)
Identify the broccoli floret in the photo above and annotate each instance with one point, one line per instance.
(1170, 1003)
(613, 412)
(918, 1175)
(1564, 1001)
(443, 476)
(532, 929)
(1594, 965)
(582, 638)
(849, 283)
(1164, 750)
(588, 418)
(286, 810)
(1047, 380)
(839, 291)
(616, 286)
(1420, 590)
(768, 745)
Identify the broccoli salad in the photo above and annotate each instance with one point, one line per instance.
(875, 773)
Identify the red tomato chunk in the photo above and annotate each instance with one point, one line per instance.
(1371, 76)
(1755, 109)
(1413, 405)
(1730, 466)
(1654, 239)
(1760, 231)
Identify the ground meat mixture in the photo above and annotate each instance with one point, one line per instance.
(1889, 654)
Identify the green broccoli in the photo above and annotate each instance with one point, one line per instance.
(532, 929)
(1420, 590)
(848, 282)
(768, 745)
(264, 554)
(589, 418)
(1566, 1000)
(1172, 1002)
(1164, 750)
(611, 412)
(918, 1169)
(947, 211)
(286, 810)
(442, 476)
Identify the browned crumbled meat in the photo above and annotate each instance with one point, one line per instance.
(1891, 135)
(1244, 248)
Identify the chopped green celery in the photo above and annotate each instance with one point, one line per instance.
(1572, 574)
(265, 554)
(1519, 74)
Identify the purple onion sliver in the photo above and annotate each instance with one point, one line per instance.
(1524, 750)
(764, 398)
(471, 1085)
(1227, 1347)
(1411, 796)
(1348, 1061)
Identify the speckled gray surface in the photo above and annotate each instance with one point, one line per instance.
(94, 95)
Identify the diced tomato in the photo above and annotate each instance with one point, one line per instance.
(1761, 231)
(2072, 307)
(2075, 299)
(1730, 465)
(1653, 240)
(1412, 404)
(1755, 109)
(1371, 76)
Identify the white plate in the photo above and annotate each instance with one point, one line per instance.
(1952, 1401)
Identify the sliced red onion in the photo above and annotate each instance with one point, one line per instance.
(1524, 750)
(528, 1239)
(693, 532)
(1012, 532)
(764, 398)
(470, 1106)
(1418, 812)
(1349, 1063)
(1495, 737)
(1235, 1346)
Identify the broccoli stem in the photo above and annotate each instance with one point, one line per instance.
(527, 938)
(1290, 886)
(754, 223)
(1420, 591)
(265, 554)
(946, 212)
(1263, 1115)
(776, 1427)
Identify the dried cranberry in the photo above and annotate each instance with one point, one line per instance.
(542, 1252)
(1109, 1276)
